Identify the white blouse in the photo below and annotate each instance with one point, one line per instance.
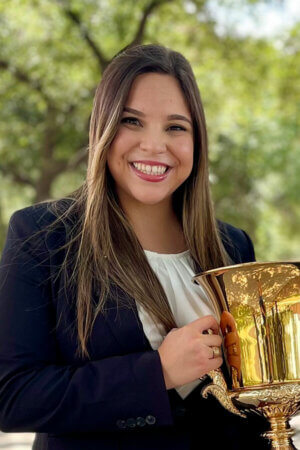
(187, 300)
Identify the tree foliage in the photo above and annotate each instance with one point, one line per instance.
(52, 55)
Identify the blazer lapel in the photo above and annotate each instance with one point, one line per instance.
(122, 319)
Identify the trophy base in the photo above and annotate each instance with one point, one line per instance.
(280, 433)
(277, 404)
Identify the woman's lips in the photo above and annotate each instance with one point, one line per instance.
(152, 178)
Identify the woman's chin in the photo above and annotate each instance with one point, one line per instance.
(151, 200)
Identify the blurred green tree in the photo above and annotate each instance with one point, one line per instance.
(51, 59)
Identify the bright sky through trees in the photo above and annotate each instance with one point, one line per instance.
(269, 19)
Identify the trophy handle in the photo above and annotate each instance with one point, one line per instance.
(218, 388)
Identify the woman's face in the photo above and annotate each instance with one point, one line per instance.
(152, 153)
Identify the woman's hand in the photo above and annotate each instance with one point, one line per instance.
(186, 353)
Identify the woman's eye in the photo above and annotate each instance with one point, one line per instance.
(130, 120)
(177, 128)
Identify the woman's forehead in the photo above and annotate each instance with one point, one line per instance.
(156, 91)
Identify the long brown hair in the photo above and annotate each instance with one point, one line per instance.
(107, 249)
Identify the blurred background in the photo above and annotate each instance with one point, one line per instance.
(246, 58)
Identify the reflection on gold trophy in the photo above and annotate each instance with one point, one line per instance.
(258, 305)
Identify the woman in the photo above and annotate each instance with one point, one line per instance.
(103, 336)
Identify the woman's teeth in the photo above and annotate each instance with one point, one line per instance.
(150, 170)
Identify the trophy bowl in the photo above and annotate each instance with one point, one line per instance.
(258, 306)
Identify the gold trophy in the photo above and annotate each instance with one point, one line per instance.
(258, 305)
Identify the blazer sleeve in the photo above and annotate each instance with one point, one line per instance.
(36, 392)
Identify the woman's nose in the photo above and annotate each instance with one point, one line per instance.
(153, 142)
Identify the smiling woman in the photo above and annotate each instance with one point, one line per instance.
(103, 336)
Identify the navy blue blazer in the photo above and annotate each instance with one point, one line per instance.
(115, 400)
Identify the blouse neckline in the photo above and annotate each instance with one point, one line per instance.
(166, 255)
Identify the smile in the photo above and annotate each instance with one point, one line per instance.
(150, 169)
(152, 173)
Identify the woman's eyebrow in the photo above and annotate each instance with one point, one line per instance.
(170, 117)
(134, 111)
(179, 117)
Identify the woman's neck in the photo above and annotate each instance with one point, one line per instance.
(157, 227)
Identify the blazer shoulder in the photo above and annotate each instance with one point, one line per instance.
(39, 215)
(37, 225)
(43, 213)
(237, 243)
(31, 239)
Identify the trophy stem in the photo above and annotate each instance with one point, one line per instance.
(280, 432)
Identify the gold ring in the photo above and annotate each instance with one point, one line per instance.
(216, 352)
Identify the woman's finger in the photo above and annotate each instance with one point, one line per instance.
(211, 340)
(214, 363)
(204, 324)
